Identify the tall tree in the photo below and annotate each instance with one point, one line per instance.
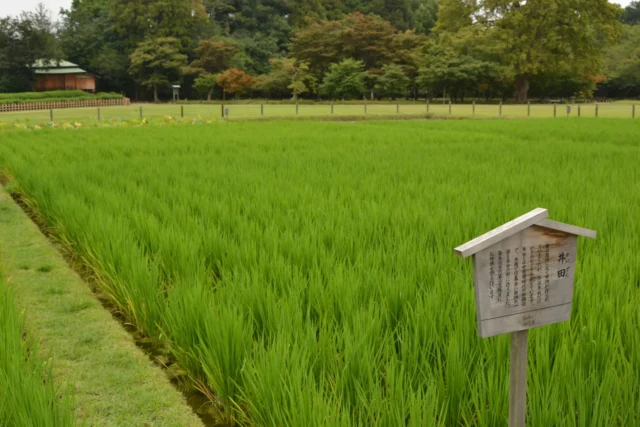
(23, 40)
(539, 35)
(287, 75)
(141, 19)
(234, 81)
(87, 38)
(320, 44)
(213, 56)
(345, 80)
(157, 62)
(631, 13)
(392, 82)
(622, 65)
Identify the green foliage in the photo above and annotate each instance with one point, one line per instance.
(88, 38)
(622, 65)
(213, 56)
(29, 396)
(306, 276)
(392, 82)
(23, 40)
(205, 83)
(287, 76)
(157, 63)
(631, 14)
(139, 20)
(344, 80)
(539, 37)
(467, 62)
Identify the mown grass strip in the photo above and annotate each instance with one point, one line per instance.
(113, 382)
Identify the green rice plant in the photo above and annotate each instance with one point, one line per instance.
(302, 273)
(29, 396)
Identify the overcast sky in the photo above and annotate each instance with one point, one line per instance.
(14, 7)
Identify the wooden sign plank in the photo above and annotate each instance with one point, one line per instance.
(525, 281)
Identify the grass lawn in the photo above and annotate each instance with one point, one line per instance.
(302, 273)
(240, 111)
(113, 383)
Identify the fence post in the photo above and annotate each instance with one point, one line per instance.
(51, 114)
(261, 110)
(397, 108)
(473, 107)
(222, 110)
(555, 106)
(449, 106)
(597, 106)
(579, 111)
(332, 106)
(297, 109)
(98, 113)
(528, 108)
(633, 111)
(141, 111)
(568, 110)
(182, 111)
(365, 105)
(500, 109)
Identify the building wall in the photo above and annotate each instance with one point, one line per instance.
(46, 82)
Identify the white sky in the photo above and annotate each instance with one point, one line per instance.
(13, 7)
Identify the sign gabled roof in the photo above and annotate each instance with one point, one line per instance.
(537, 216)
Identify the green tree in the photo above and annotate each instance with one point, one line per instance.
(344, 80)
(23, 40)
(462, 63)
(287, 75)
(631, 13)
(539, 36)
(320, 44)
(622, 65)
(87, 38)
(213, 56)
(138, 20)
(205, 83)
(392, 82)
(157, 62)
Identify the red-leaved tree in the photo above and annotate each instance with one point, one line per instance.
(234, 81)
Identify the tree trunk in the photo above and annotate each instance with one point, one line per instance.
(155, 93)
(209, 95)
(522, 89)
(224, 95)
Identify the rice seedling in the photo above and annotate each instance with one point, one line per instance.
(302, 273)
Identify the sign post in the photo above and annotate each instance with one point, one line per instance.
(523, 273)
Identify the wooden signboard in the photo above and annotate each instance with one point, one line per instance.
(523, 273)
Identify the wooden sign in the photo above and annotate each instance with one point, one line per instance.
(523, 274)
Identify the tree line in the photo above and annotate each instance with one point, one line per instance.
(337, 49)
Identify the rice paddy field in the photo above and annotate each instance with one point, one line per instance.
(303, 274)
(254, 111)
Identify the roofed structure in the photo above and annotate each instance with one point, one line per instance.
(62, 75)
